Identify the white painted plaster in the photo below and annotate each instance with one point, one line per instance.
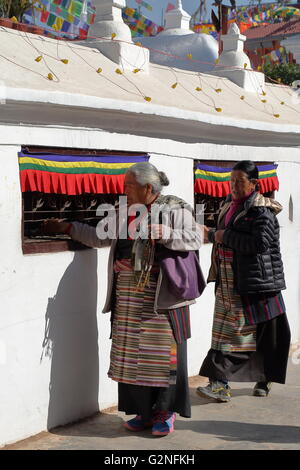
(112, 37)
(177, 20)
(292, 44)
(234, 64)
(233, 54)
(289, 174)
(50, 325)
(167, 46)
(80, 101)
(26, 81)
(109, 20)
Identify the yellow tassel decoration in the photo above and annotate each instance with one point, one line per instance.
(245, 66)
(38, 59)
(218, 90)
(174, 85)
(282, 102)
(219, 110)
(198, 88)
(136, 70)
(119, 71)
(64, 61)
(113, 35)
(147, 98)
(263, 101)
(99, 70)
(277, 115)
(50, 76)
(242, 97)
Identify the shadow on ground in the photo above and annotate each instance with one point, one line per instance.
(196, 400)
(236, 431)
(104, 425)
(110, 426)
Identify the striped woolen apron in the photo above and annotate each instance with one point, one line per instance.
(144, 350)
(230, 332)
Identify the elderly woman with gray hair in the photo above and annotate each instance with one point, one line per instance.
(152, 280)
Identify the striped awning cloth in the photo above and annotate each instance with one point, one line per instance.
(75, 174)
(215, 181)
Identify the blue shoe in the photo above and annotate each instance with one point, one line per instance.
(163, 423)
(137, 424)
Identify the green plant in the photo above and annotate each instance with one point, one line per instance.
(284, 73)
(16, 8)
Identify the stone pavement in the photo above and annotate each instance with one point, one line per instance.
(246, 422)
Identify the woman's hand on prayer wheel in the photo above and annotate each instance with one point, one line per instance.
(54, 226)
(219, 236)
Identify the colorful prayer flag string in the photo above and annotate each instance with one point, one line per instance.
(63, 16)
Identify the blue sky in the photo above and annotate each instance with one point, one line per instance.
(189, 5)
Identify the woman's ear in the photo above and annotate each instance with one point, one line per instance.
(149, 188)
(255, 183)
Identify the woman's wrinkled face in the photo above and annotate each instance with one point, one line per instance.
(135, 192)
(240, 184)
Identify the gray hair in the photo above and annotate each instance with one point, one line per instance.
(146, 173)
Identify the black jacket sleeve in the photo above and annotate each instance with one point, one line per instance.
(211, 235)
(258, 239)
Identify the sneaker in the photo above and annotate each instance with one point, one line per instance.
(137, 424)
(216, 390)
(163, 423)
(262, 389)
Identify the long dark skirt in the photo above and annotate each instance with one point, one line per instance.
(267, 364)
(142, 400)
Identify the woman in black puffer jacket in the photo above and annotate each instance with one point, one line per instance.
(251, 335)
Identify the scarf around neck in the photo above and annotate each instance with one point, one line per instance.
(234, 207)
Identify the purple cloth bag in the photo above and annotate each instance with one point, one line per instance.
(183, 272)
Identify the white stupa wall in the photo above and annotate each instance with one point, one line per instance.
(292, 44)
(111, 36)
(235, 65)
(177, 18)
(178, 40)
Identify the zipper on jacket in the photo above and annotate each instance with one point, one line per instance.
(262, 266)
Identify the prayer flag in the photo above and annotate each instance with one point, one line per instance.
(170, 7)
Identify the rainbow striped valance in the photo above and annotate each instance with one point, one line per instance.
(215, 181)
(75, 174)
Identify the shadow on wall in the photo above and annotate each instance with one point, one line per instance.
(71, 341)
